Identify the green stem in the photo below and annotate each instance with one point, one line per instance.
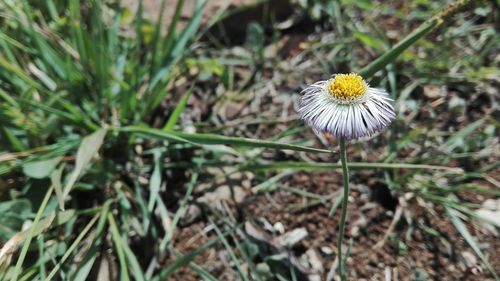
(345, 200)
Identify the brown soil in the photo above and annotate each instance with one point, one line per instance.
(405, 255)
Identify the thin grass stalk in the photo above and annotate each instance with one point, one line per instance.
(73, 247)
(24, 250)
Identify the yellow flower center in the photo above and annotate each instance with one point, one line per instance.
(347, 87)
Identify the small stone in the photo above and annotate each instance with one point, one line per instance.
(469, 259)
(432, 91)
(239, 194)
(192, 213)
(293, 237)
(326, 250)
(279, 227)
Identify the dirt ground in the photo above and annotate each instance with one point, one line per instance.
(150, 8)
(407, 254)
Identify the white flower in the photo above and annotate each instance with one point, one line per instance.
(346, 107)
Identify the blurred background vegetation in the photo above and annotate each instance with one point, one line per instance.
(157, 140)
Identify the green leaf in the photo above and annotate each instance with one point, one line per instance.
(211, 139)
(255, 36)
(88, 148)
(55, 177)
(230, 253)
(41, 169)
(14, 214)
(155, 180)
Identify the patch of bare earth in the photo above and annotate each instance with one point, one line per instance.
(405, 255)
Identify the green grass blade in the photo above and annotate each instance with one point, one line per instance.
(50, 109)
(230, 252)
(457, 139)
(136, 53)
(190, 31)
(77, 30)
(202, 273)
(388, 57)
(155, 179)
(177, 111)
(308, 166)
(155, 46)
(15, 142)
(172, 29)
(459, 225)
(8, 67)
(178, 214)
(135, 267)
(115, 233)
(72, 248)
(210, 139)
(31, 233)
(185, 259)
(205, 275)
(14, 43)
(8, 99)
(85, 265)
(176, 52)
(443, 16)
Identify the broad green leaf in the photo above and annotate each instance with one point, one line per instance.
(14, 214)
(88, 148)
(41, 169)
